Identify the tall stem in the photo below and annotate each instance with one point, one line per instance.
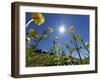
(29, 22)
(59, 55)
(69, 51)
(85, 46)
(77, 48)
(70, 55)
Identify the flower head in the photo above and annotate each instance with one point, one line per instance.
(50, 29)
(38, 18)
(78, 37)
(71, 29)
(44, 36)
(56, 38)
(33, 33)
(27, 40)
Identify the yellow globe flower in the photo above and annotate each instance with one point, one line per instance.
(38, 18)
(50, 30)
(27, 40)
(33, 33)
(78, 37)
(71, 29)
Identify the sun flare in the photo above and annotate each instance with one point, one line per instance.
(62, 29)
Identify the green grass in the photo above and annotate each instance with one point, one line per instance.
(47, 59)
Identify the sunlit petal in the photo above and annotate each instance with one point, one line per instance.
(71, 29)
(78, 37)
(38, 18)
(50, 29)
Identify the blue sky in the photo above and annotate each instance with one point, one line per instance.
(80, 22)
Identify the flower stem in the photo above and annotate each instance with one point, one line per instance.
(77, 49)
(85, 46)
(70, 54)
(36, 44)
(29, 22)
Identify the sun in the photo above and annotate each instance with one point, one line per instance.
(62, 29)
